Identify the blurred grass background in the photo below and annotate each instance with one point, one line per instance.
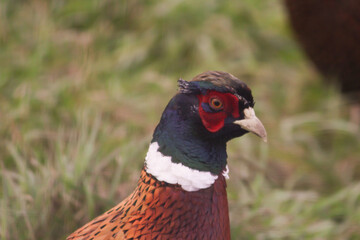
(83, 84)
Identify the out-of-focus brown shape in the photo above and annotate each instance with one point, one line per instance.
(329, 32)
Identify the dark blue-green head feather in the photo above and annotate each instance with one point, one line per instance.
(201, 118)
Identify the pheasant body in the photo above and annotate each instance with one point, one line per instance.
(181, 193)
(158, 210)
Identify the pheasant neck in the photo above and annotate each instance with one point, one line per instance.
(185, 140)
(163, 169)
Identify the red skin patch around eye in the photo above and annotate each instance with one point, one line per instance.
(214, 121)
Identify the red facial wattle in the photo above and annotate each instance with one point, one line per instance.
(214, 120)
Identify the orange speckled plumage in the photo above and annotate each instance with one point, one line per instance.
(158, 210)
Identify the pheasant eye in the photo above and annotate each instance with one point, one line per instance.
(216, 103)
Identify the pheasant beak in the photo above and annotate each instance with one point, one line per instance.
(252, 124)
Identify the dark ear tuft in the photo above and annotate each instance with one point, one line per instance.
(187, 87)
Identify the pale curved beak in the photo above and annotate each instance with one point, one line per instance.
(252, 124)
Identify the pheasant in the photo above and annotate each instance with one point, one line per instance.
(181, 193)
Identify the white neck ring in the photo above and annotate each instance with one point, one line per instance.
(163, 169)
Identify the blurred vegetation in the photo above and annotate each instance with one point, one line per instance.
(83, 84)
